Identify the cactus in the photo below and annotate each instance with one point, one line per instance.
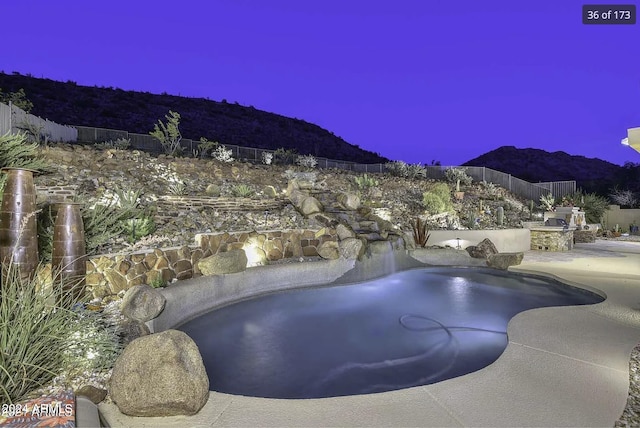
(500, 216)
(481, 207)
(457, 185)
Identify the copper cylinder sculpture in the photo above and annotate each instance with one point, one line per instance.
(18, 227)
(69, 251)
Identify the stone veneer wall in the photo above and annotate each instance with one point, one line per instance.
(54, 194)
(110, 274)
(551, 239)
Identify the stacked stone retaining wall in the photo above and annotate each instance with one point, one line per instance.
(111, 274)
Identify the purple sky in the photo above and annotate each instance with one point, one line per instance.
(415, 80)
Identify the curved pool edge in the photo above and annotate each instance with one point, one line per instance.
(527, 385)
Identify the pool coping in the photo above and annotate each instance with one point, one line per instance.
(563, 366)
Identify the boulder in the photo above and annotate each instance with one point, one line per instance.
(297, 196)
(349, 200)
(232, 261)
(329, 250)
(96, 395)
(160, 375)
(380, 247)
(310, 205)
(482, 250)
(142, 303)
(344, 232)
(504, 260)
(130, 329)
(351, 248)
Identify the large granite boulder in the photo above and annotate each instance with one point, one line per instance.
(130, 329)
(232, 261)
(483, 250)
(349, 200)
(329, 250)
(309, 205)
(160, 375)
(352, 248)
(142, 303)
(504, 260)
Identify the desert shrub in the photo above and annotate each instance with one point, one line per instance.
(490, 188)
(452, 175)
(433, 203)
(169, 133)
(307, 161)
(17, 152)
(267, 158)
(397, 168)
(102, 223)
(420, 232)
(594, 206)
(241, 191)
(285, 156)
(136, 228)
(365, 181)
(178, 188)
(42, 336)
(547, 202)
(18, 99)
(119, 144)
(416, 170)
(442, 190)
(624, 198)
(222, 154)
(205, 147)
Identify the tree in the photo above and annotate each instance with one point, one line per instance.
(169, 134)
(18, 99)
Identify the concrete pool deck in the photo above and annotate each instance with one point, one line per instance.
(563, 366)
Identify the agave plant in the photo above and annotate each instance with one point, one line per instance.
(420, 232)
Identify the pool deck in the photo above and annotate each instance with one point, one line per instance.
(563, 366)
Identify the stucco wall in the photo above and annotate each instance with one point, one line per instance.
(623, 217)
(505, 240)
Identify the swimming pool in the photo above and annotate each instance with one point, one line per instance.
(410, 328)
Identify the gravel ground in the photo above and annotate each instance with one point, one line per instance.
(631, 415)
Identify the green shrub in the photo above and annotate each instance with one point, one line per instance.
(137, 228)
(414, 171)
(157, 282)
(17, 152)
(178, 188)
(442, 190)
(42, 336)
(284, 156)
(241, 191)
(119, 144)
(433, 203)
(365, 181)
(593, 205)
(169, 133)
(206, 147)
(397, 168)
(452, 175)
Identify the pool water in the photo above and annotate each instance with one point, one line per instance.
(411, 328)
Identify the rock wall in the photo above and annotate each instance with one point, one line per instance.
(551, 239)
(111, 274)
